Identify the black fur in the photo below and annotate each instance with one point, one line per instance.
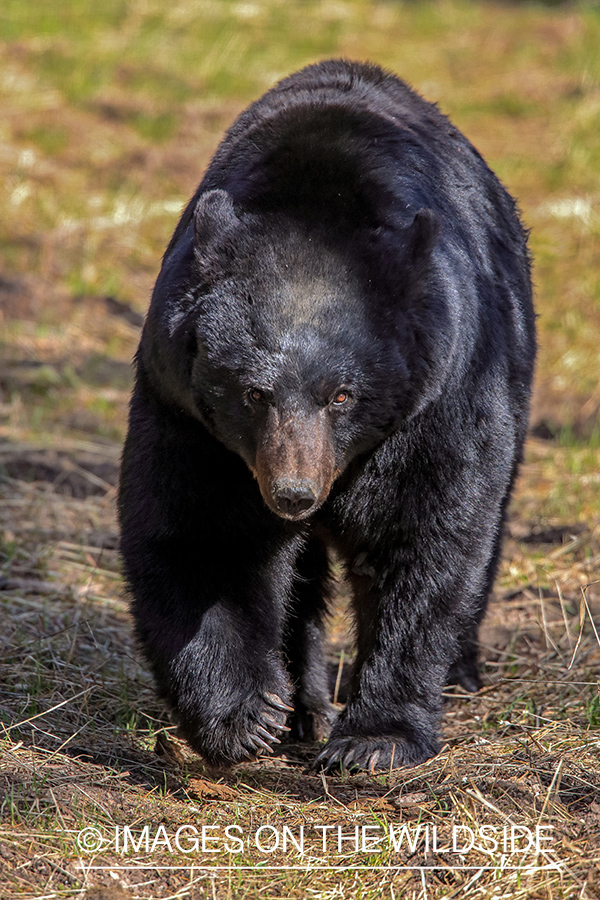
(339, 349)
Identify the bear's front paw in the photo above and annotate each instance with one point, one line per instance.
(374, 754)
(244, 734)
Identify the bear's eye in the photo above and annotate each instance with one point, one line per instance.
(256, 395)
(340, 398)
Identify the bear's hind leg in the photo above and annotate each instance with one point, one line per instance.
(313, 712)
(465, 669)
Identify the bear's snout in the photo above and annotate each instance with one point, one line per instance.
(295, 463)
(293, 498)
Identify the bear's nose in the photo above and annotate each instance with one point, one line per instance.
(293, 497)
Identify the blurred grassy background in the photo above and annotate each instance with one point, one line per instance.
(110, 112)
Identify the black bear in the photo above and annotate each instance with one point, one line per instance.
(338, 351)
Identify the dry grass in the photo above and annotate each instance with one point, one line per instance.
(85, 744)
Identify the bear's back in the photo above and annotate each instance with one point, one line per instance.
(348, 144)
(350, 153)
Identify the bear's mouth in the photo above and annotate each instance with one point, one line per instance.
(293, 515)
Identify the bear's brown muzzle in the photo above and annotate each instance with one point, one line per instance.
(295, 462)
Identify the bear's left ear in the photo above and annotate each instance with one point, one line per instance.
(214, 216)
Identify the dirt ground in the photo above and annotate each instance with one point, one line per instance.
(87, 750)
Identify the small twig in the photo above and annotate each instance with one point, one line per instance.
(582, 608)
(338, 676)
(47, 712)
(555, 781)
(564, 615)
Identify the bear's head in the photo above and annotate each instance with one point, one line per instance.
(299, 364)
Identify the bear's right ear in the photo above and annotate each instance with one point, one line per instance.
(214, 217)
(421, 237)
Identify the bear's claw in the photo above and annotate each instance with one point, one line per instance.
(276, 702)
(262, 732)
(263, 744)
(275, 724)
(267, 734)
(372, 754)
